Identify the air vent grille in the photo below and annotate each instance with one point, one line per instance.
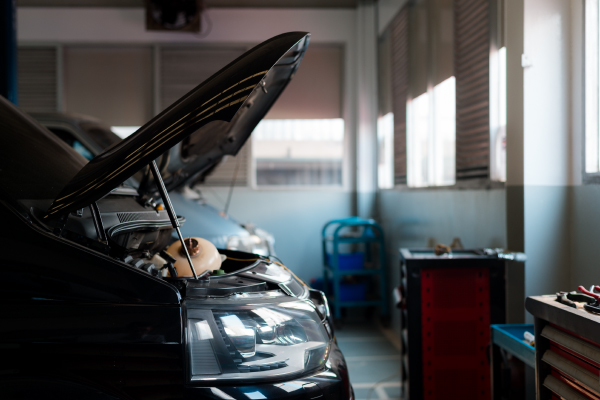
(127, 217)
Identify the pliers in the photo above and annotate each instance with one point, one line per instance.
(571, 298)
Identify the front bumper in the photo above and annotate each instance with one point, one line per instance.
(331, 383)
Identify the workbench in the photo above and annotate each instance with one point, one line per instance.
(567, 349)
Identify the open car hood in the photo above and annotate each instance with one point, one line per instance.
(213, 119)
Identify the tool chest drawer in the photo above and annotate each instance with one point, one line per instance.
(572, 361)
(567, 350)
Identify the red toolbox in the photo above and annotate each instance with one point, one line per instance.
(448, 304)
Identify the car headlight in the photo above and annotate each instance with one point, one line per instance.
(255, 342)
(251, 244)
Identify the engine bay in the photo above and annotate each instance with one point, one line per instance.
(139, 233)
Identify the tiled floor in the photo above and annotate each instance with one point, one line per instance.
(373, 361)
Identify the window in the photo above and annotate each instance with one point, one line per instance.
(298, 152)
(124, 131)
(182, 68)
(498, 115)
(385, 151)
(435, 69)
(431, 103)
(69, 139)
(431, 136)
(300, 142)
(592, 79)
(111, 83)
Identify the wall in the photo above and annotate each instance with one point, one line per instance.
(585, 218)
(547, 141)
(585, 268)
(417, 218)
(295, 218)
(559, 219)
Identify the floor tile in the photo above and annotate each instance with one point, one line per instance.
(393, 392)
(367, 348)
(374, 371)
(363, 394)
(377, 391)
(357, 331)
(373, 361)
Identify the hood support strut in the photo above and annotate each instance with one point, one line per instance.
(172, 216)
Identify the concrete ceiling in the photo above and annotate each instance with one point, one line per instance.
(209, 3)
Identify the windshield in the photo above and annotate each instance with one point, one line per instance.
(34, 163)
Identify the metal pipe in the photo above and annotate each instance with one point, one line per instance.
(172, 216)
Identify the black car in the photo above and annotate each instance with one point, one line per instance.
(94, 307)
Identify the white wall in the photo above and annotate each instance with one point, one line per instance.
(544, 133)
(547, 93)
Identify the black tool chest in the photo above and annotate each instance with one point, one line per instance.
(567, 349)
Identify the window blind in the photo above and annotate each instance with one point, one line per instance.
(471, 55)
(184, 68)
(36, 77)
(315, 92)
(181, 70)
(111, 83)
(399, 72)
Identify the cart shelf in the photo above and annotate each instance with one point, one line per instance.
(337, 237)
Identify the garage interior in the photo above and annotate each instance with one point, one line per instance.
(472, 124)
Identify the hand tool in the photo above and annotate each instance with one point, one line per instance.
(562, 298)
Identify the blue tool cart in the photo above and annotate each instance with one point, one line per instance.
(353, 251)
(510, 338)
(512, 377)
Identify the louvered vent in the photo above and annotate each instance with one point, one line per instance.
(399, 44)
(127, 217)
(181, 70)
(37, 79)
(471, 57)
(572, 359)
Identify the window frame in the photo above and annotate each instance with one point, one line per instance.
(334, 188)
